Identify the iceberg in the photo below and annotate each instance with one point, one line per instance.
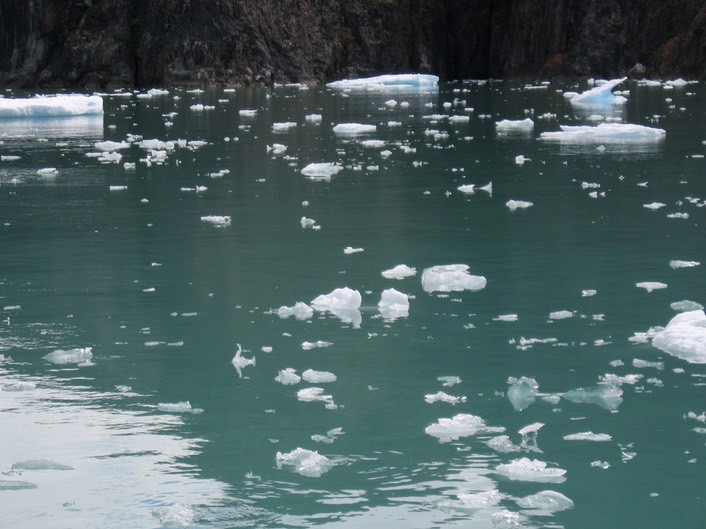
(600, 95)
(525, 469)
(240, 362)
(288, 377)
(605, 133)
(72, 356)
(399, 272)
(321, 171)
(398, 82)
(299, 310)
(451, 278)
(512, 204)
(51, 106)
(393, 304)
(508, 125)
(461, 425)
(305, 462)
(318, 377)
(684, 337)
(522, 392)
(342, 303)
(351, 129)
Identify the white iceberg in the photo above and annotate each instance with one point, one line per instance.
(51, 106)
(651, 285)
(305, 462)
(677, 263)
(588, 436)
(288, 377)
(393, 304)
(684, 337)
(461, 425)
(299, 310)
(605, 133)
(351, 129)
(399, 82)
(525, 469)
(468, 189)
(219, 221)
(508, 125)
(318, 377)
(314, 394)
(399, 272)
(322, 170)
(512, 205)
(342, 303)
(600, 95)
(451, 278)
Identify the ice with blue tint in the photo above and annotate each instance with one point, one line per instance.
(51, 106)
(605, 133)
(684, 337)
(399, 82)
(606, 396)
(522, 392)
(600, 95)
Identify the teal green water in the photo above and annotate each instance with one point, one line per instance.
(163, 299)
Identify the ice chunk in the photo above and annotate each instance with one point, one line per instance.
(178, 407)
(547, 501)
(525, 469)
(314, 395)
(642, 364)
(288, 377)
(393, 304)
(112, 145)
(684, 337)
(240, 362)
(449, 381)
(399, 272)
(451, 278)
(468, 189)
(600, 95)
(512, 205)
(306, 222)
(502, 444)
(605, 133)
(299, 310)
(506, 317)
(46, 171)
(441, 396)
(651, 285)
(351, 129)
(321, 171)
(461, 425)
(318, 377)
(342, 303)
(305, 462)
(676, 263)
(349, 250)
(561, 315)
(588, 436)
(219, 221)
(507, 125)
(71, 356)
(686, 305)
(51, 106)
(40, 464)
(522, 392)
(398, 82)
(606, 396)
(654, 206)
(283, 127)
(13, 484)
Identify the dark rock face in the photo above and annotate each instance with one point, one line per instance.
(99, 43)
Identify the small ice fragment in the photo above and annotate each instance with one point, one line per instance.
(606, 396)
(399, 272)
(321, 171)
(451, 278)
(178, 407)
(642, 364)
(506, 317)
(342, 303)
(307, 222)
(71, 356)
(502, 444)
(288, 377)
(468, 189)
(219, 221)
(651, 285)
(441, 396)
(547, 501)
(353, 128)
(654, 205)
(588, 293)
(449, 381)
(277, 148)
(506, 125)
(305, 462)
(349, 250)
(283, 127)
(588, 436)
(240, 362)
(525, 469)
(313, 395)
(461, 425)
(247, 112)
(520, 159)
(47, 171)
(686, 305)
(318, 377)
(683, 264)
(117, 188)
(561, 315)
(313, 118)
(512, 205)
(300, 311)
(397, 82)
(112, 145)
(522, 392)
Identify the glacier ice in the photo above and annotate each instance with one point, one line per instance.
(342, 303)
(451, 278)
(299, 310)
(305, 462)
(314, 394)
(525, 469)
(71, 356)
(561, 315)
(322, 170)
(288, 377)
(605, 133)
(219, 221)
(686, 305)
(351, 129)
(398, 82)
(588, 436)
(240, 362)
(468, 189)
(606, 396)
(508, 125)
(441, 396)
(512, 205)
(600, 95)
(51, 106)
(399, 272)
(318, 377)
(684, 337)
(178, 407)
(651, 285)
(393, 304)
(676, 263)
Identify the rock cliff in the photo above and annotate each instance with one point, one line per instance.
(99, 43)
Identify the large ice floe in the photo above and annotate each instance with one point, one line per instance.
(605, 133)
(451, 278)
(396, 82)
(684, 337)
(51, 106)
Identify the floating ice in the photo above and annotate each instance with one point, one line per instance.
(605, 133)
(314, 395)
(72, 356)
(525, 469)
(288, 377)
(451, 278)
(305, 462)
(502, 444)
(600, 95)
(468, 189)
(178, 407)
(642, 364)
(461, 425)
(283, 127)
(307, 346)
(351, 129)
(588, 293)
(651, 285)
(522, 392)
(507, 125)
(219, 221)
(441, 396)
(393, 304)
(588, 436)
(306, 222)
(548, 501)
(50, 106)
(512, 205)
(684, 337)
(449, 381)
(247, 112)
(47, 171)
(277, 148)
(240, 362)
(342, 303)
(606, 396)
(561, 315)
(520, 159)
(321, 171)
(318, 377)
(299, 310)
(506, 317)
(40, 464)
(399, 82)
(112, 145)
(676, 263)
(20, 385)
(399, 272)
(473, 501)
(330, 436)
(686, 305)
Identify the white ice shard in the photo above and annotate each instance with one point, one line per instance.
(461, 425)
(299, 310)
(605, 133)
(546, 501)
(219, 221)
(588, 436)
(51, 106)
(351, 129)
(684, 337)
(508, 125)
(525, 469)
(342, 303)
(522, 392)
(70, 356)
(512, 205)
(393, 304)
(288, 377)
(451, 278)
(305, 462)
(322, 170)
(601, 95)
(240, 362)
(398, 82)
(318, 377)
(399, 272)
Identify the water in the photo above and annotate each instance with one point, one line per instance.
(119, 261)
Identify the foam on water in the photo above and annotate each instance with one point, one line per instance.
(40, 464)
(684, 337)
(177, 515)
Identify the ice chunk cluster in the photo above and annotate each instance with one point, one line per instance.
(451, 278)
(684, 337)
